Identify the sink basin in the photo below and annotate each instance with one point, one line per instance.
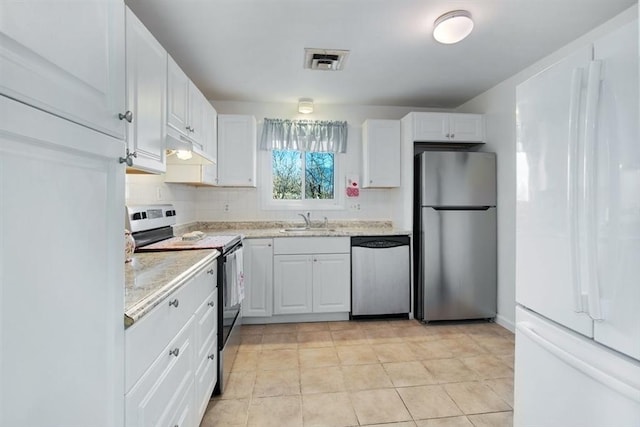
(305, 229)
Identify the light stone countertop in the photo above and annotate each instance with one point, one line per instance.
(268, 229)
(151, 276)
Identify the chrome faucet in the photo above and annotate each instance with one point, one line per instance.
(307, 219)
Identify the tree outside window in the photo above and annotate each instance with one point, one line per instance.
(301, 175)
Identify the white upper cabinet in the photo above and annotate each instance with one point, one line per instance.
(448, 127)
(187, 107)
(381, 153)
(146, 96)
(178, 98)
(196, 112)
(66, 58)
(237, 147)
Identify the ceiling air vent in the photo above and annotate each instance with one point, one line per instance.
(325, 59)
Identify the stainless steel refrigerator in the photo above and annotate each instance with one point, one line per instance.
(455, 235)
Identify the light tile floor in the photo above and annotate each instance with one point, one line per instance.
(392, 373)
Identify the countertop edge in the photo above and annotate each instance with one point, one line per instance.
(145, 305)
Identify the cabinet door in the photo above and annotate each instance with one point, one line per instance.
(146, 96)
(258, 278)
(236, 150)
(205, 381)
(177, 97)
(196, 111)
(66, 58)
(292, 284)
(210, 131)
(381, 153)
(466, 127)
(431, 127)
(62, 298)
(331, 283)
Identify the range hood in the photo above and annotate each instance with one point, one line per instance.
(175, 142)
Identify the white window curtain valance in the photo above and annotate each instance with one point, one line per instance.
(304, 135)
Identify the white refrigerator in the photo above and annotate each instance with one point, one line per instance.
(577, 357)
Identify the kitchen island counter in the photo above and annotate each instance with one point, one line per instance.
(151, 276)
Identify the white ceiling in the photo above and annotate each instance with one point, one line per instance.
(253, 50)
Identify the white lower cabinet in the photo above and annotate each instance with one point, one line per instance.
(172, 386)
(331, 283)
(258, 278)
(311, 275)
(155, 398)
(293, 284)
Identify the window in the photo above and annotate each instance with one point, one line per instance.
(298, 175)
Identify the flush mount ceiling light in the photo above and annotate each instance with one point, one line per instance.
(305, 105)
(453, 26)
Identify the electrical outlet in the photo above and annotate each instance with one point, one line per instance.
(226, 207)
(354, 207)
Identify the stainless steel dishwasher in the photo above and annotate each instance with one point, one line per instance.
(380, 276)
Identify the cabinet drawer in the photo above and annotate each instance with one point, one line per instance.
(311, 245)
(154, 399)
(146, 338)
(206, 324)
(184, 411)
(206, 377)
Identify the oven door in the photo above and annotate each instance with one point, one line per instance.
(230, 300)
(229, 315)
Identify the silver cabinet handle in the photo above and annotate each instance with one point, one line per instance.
(174, 303)
(128, 158)
(269, 245)
(175, 352)
(188, 128)
(211, 304)
(128, 116)
(453, 135)
(210, 271)
(211, 356)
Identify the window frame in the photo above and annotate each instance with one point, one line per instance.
(269, 203)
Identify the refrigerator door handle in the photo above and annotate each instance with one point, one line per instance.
(589, 208)
(621, 386)
(573, 188)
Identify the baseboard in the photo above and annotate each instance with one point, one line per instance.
(506, 323)
(289, 318)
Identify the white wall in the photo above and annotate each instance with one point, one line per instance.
(245, 204)
(499, 106)
(143, 189)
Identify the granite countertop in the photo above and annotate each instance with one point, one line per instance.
(267, 229)
(151, 276)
